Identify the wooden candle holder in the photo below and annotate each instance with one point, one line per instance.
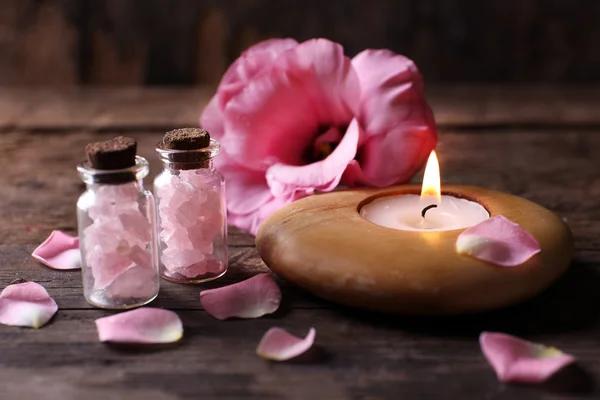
(323, 245)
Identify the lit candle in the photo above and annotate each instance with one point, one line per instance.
(431, 211)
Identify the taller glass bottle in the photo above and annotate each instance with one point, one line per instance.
(190, 198)
(117, 227)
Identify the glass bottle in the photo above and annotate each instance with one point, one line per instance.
(117, 232)
(192, 224)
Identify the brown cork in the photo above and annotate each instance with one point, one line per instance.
(186, 139)
(117, 153)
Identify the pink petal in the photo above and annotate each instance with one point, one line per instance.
(144, 325)
(323, 175)
(251, 298)
(247, 190)
(278, 114)
(59, 251)
(516, 360)
(407, 145)
(211, 119)
(278, 345)
(391, 92)
(256, 60)
(271, 121)
(398, 123)
(249, 198)
(336, 87)
(251, 221)
(498, 241)
(26, 304)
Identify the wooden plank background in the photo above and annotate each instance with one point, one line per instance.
(140, 42)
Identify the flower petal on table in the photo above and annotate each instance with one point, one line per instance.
(26, 304)
(516, 360)
(499, 241)
(59, 251)
(279, 345)
(251, 298)
(144, 325)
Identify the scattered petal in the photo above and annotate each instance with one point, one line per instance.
(279, 345)
(251, 298)
(26, 304)
(499, 241)
(144, 325)
(59, 251)
(516, 360)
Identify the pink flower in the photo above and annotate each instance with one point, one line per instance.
(295, 118)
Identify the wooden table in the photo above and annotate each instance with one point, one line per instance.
(542, 143)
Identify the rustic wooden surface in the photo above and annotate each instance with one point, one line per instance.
(539, 143)
(192, 41)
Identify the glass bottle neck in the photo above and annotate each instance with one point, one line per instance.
(139, 185)
(181, 166)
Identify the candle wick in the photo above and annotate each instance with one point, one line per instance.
(427, 209)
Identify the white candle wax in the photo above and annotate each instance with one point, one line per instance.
(404, 212)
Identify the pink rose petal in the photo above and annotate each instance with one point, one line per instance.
(516, 360)
(144, 325)
(251, 221)
(59, 251)
(400, 129)
(499, 241)
(279, 111)
(26, 304)
(251, 298)
(279, 345)
(322, 175)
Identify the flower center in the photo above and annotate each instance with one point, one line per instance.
(324, 144)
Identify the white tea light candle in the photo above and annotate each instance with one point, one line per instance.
(429, 212)
(405, 212)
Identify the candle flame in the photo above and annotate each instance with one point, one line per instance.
(431, 188)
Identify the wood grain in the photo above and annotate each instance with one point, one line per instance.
(359, 355)
(139, 42)
(131, 108)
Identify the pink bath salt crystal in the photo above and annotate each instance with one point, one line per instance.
(177, 236)
(136, 225)
(118, 238)
(113, 200)
(197, 178)
(190, 217)
(134, 282)
(176, 260)
(191, 271)
(202, 236)
(213, 266)
(106, 266)
(186, 214)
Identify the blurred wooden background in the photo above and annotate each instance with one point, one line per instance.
(141, 42)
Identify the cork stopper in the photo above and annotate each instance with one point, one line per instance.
(186, 139)
(117, 153)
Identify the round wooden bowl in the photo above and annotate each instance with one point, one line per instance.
(323, 245)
